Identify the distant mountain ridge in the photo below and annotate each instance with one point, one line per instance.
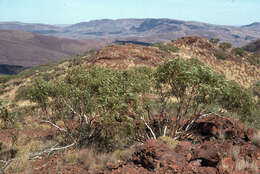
(144, 30)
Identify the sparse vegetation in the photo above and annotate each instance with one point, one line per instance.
(220, 54)
(254, 59)
(214, 40)
(95, 115)
(197, 87)
(225, 45)
(9, 118)
(110, 97)
(166, 48)
(238, 52)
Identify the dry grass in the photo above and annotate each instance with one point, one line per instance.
(169, 141)
(242, 164)
(71, 158)
(234, 153)
(91, 160)
(94, 161)
(21, 161)
(123, 155)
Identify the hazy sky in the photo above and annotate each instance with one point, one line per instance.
(226, 12)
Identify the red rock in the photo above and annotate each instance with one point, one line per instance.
(188, 156)
(208, 153)
(207, 170)
(226, 165)
(250, 133)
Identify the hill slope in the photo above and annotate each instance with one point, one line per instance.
(253, 46)
(34, 140)
(28, 49)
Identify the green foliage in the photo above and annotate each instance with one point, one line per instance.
(225, 45)
(238, 51)
(39, 93)
(6, 78)
(9, 118)
(115, 99)
(256, 89)
(220, 54)
(197, 87)
(214, 40)
(254, 59)
(255, 119)
(23, 93)
(166, 48)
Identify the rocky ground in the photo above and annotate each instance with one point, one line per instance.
(214, 145)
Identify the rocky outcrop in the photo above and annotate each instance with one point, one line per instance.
(214, 145)
(124, 56)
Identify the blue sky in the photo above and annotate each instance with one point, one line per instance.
(225, 12)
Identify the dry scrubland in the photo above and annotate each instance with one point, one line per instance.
(101, 112)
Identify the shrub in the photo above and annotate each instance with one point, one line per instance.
(169, 141)
(214, 40)
(238, 52)
(9, 118)
(225, 45)
(219, 54)
(166, 48)
(109, 103)
(197, 87)
(23, 93)
(254, 59)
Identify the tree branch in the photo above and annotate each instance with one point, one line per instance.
(54, 125)
(54, 148)
(148, 127)
(74, 112)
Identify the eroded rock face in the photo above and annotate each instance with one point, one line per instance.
(203, 151)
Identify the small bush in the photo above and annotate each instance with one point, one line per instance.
(169, 141)
(23, 93)
(92, 160)
(238, 52)
(214, 40)
(9, 118)
(123, 155)
(254, 59)
(71, 158)
(220, 54)
(225, 45)
(21, 161)
(166, 48)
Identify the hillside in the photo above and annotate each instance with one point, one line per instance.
(145, 30)
(28, 49)
(253, 46)
(115, 110)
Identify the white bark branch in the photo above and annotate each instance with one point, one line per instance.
(148, 127)
(74, 112)
(54, 125)
(48, 151)
(165, 131)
